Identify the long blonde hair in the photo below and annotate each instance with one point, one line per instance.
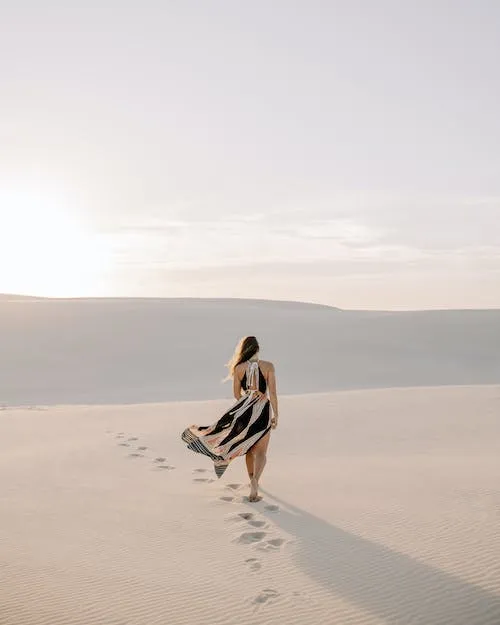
(247, 347)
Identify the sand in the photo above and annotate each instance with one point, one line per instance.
(380, 507)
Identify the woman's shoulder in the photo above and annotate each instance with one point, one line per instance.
(266, 365)
(263, 364)
(240, 369)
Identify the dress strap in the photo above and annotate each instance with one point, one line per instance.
(252, 375)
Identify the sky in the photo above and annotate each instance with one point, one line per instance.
(344, 152)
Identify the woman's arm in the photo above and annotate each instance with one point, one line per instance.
(236, 386)
(273, 396)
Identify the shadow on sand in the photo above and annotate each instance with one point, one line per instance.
(394, 587)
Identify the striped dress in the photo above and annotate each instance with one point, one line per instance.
(239, 428)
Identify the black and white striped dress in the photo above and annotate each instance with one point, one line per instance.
(239, 428)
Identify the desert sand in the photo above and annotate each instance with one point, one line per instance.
(380, 505)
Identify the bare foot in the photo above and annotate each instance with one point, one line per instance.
(254, 490)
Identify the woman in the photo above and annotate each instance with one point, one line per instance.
(245, 428)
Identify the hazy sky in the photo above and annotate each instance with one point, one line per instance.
(345, 152)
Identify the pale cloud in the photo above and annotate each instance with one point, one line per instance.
(389, 227)
(235, 242)
(343, 231)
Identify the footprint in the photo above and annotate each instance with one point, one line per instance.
(272, 508)
(233, 486)
(135, 455)
(272, 545)
(226, 498)
(142, 448)
(120, 435)
(248, 538)
(123, 444)
(199, 470)
(168, 467)
(246, 515)
(257, 523)
(207, 480)
(253, 564)
(133, 438)
(160, 460)
(276, 542)
(266, 595)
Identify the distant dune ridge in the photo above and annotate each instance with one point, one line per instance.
(99, 351)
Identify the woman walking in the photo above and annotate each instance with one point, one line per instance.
(245, 428)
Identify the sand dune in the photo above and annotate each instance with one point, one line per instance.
(133, 351)
(388, 516)
(380, 506)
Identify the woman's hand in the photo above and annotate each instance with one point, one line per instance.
(274, 422)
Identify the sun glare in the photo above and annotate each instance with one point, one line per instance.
(45, 251)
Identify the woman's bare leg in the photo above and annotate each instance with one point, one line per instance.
(259, 462)
(250, 463)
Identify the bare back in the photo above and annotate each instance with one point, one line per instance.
(266, 368)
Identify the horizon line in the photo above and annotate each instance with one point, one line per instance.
(6, 297)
